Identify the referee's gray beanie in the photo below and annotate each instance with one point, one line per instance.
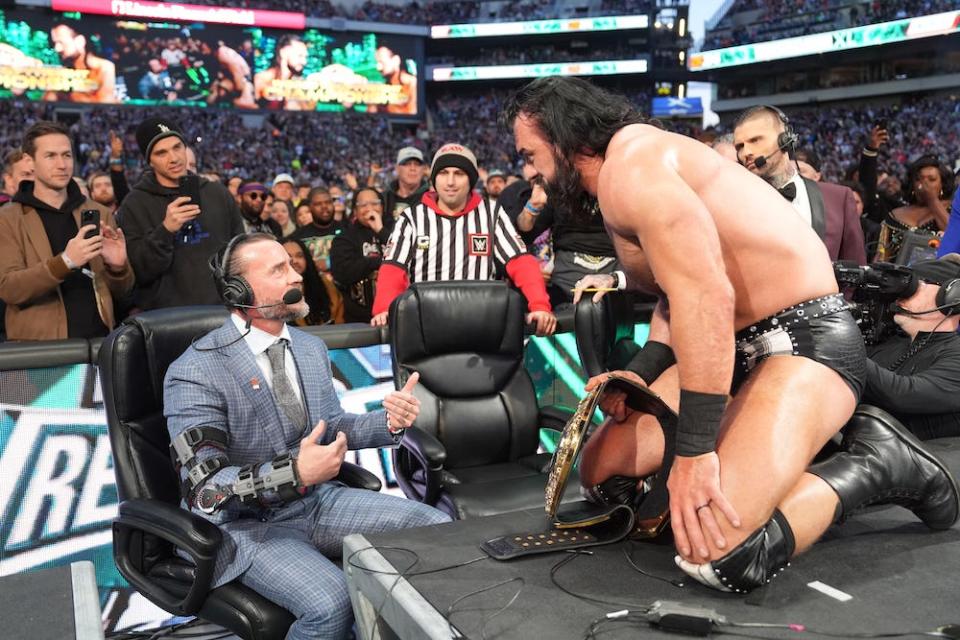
(455, 155)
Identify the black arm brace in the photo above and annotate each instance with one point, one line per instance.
(250, 486)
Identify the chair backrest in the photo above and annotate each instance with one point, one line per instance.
(466, 339)
(133, 361)
(604, 332)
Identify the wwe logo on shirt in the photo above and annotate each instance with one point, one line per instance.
(479, 244)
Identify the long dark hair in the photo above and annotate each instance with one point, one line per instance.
(947, 181)
(574, 115)
(314, 291)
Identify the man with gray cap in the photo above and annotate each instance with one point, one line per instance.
(470, 236)
(410, 185)
(170, 237)
(915, 376)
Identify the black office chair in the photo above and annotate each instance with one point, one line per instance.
(133, 360)
(604, 332)
(473, 449)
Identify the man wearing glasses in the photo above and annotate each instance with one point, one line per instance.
(253, 196)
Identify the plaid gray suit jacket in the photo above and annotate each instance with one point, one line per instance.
(224, 389)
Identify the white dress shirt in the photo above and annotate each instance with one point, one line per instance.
(259, 341)
(801, 204)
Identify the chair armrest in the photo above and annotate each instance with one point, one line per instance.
(356, 476)
(554, 417)
(199, 538)
(429, 454)
(426, 448)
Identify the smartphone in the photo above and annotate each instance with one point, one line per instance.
(881, 124)
(90, 216)
(190, 187)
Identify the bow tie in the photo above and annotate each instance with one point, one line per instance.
(788, 191)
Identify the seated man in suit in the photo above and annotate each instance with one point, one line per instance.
(763, 140)
(259, 436)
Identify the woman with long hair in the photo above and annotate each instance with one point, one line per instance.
(314, 286)
(929, 189)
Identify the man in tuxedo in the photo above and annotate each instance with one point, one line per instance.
(764, 141)
(259, 437)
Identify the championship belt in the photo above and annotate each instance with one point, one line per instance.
(586, 524)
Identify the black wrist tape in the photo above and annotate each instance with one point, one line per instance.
(699, 422)
(652, 360)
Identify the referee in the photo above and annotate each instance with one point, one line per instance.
(455, 234)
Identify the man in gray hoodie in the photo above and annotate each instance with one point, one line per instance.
(170, 237)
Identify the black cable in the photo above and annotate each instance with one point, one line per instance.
(632, 618)
(628, 553)
(800, 628)
(486, 620)
(643, 608)
(404, 573)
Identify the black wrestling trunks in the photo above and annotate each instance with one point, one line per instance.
(821, 329)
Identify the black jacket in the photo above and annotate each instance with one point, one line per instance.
(923, 391)
(172, 268)
(567, 235)
(395, 205)
(355, 257)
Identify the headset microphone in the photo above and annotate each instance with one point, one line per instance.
(761, 161)
(292, 296)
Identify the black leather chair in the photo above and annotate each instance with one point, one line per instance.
(604, 332)
(473, 449)
(133, 360)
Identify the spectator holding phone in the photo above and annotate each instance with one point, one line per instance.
(174, 222)
(62, 259)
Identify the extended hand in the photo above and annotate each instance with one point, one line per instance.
(878, 137)
(546, 322)
(179, 212)
(318, 463)
(379, 320)
(613, 402)
(114, 251)
(593, 281)
(82, 250)
(695, 496)
(402, 407)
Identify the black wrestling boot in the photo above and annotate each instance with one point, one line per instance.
(881, 462)
(615, 490)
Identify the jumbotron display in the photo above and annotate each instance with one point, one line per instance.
(72, 57)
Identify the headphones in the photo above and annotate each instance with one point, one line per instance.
(788, 140)
(948, 298)
(235, 291)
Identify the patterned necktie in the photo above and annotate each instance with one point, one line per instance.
(788, 191)
(282, 387)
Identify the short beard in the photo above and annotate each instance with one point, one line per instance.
(286, 312)
(566, 194)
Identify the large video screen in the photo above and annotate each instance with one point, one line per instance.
(77, 58)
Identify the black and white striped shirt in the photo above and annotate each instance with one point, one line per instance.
(430, 245)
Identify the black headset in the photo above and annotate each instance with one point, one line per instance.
(788, 140)
(234, 290)
(948, 298)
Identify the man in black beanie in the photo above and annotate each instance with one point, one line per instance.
(170, 237)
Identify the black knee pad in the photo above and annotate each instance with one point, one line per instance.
(759, 558)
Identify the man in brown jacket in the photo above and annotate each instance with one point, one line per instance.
(56, 282)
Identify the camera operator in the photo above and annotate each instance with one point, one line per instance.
(916, 376)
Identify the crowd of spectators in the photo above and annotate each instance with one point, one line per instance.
(438, 12)
(336, 148)
(777, 19)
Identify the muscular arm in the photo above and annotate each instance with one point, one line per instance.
(680, 240)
